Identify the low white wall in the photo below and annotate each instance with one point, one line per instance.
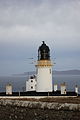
(35, 97)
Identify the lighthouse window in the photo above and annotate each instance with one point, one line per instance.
(50, 71)
(31, 87)
(36, 71)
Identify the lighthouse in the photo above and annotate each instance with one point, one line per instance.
(44, 70)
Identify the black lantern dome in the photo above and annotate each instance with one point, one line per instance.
(43, 52)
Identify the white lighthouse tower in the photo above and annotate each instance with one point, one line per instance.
(44, 70)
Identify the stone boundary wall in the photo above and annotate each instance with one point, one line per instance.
(41, 105)
(35, 97)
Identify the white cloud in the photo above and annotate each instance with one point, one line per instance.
(59, 21)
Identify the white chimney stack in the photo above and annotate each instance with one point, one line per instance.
(76, 89)
(9, 89)
(55, 87)
(63, 89)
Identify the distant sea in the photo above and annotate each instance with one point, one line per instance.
(19, 82)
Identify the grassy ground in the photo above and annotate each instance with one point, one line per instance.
(9, 112)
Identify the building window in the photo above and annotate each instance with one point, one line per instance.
(50, 71)
(31, 87)
(31, 80)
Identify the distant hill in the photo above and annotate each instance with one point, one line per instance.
(66, 72)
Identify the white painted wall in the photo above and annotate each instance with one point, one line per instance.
(31, 85)
(44, 79)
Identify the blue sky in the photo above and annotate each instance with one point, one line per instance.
(24, 24)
